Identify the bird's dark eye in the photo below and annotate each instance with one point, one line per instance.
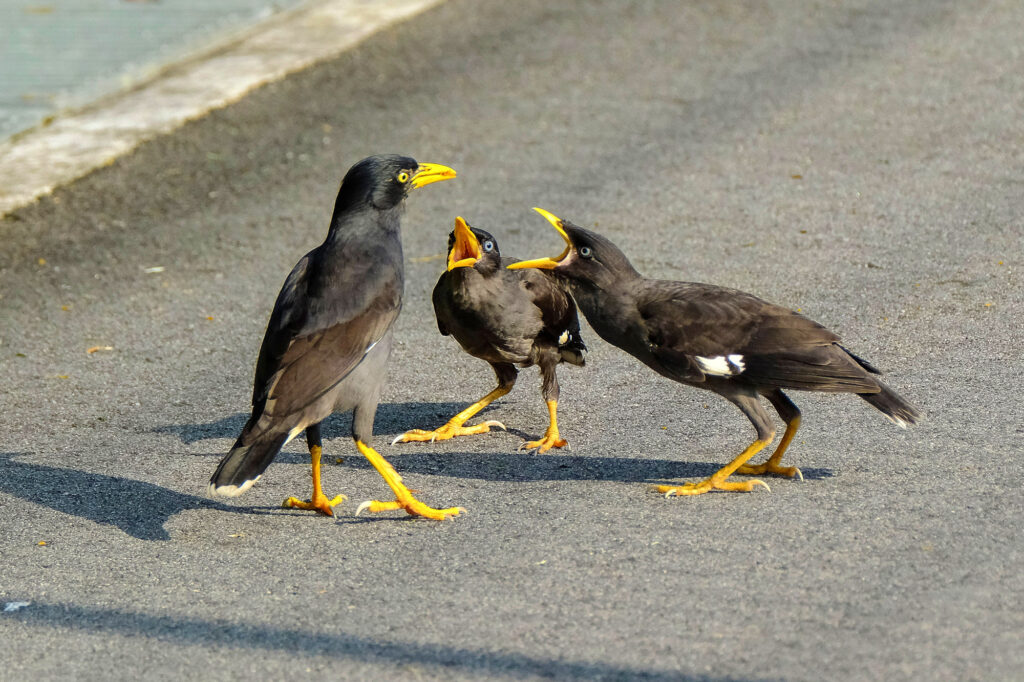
(403, 177)
(586, 252)
(488, 246)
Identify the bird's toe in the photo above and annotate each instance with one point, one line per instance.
(446, 432)
(770, 468)
(708, 485)
(544, 444)
(412, 506)
(320, 504)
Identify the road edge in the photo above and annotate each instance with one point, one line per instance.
(35, 162)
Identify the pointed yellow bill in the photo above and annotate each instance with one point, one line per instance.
(431, 172)
(466, 250)
(547, 263)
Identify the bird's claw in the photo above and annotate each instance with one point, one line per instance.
(320, 504)
(412, 506)
(770, 468)
(544, 444)
(708, 485)
(446, 432)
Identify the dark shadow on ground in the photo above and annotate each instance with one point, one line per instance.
(138, 508)
(523, 466)
(342, 646)
(392, 419)
(509, 465)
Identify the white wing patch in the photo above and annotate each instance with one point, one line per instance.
(564, 338)
(722, 365)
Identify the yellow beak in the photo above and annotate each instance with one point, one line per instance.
(547, 263)
(466, 249)
(431, 172)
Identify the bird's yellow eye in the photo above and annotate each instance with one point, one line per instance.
(403, 177)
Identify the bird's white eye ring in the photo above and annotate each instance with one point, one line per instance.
(403, 177)
(488, 245)
(586, 251)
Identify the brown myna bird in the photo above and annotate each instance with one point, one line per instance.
(329, 337)
(505, 318)
(722, 340)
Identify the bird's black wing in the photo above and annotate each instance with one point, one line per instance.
(440, 305)
(319, 333)
(286, 321)
(557, 309)
(697, 329)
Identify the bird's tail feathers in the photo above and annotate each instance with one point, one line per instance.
(895, 408)
(242, 467)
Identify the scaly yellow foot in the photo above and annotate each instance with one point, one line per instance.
(319, 504)
(718, 479)
(455, 427)
(551, 438)
(709, 484)
(403, 496)
(446, 432)
(412, 506)
(770, 467)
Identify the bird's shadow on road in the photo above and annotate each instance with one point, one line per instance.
(560, 466)
(138, 508)
(421, 458)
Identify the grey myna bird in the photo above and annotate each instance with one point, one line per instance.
(722, 340)
(505, 318)
(329, 336)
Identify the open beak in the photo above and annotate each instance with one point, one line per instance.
(431, 172)
(547, 263)
(466, 250)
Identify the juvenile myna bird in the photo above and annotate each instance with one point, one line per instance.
(329, 336)
(506, 318)
(719, 339)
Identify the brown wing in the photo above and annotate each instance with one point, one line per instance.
(705, 320)
(557, 309)
(699, 329)
(319, 333)
(314, 364)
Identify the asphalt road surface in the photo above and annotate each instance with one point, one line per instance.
(862, 161)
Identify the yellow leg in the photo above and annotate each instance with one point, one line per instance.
(551, 438)
(403, 496)
(455, 427)
(319, 501)
(772, 465)
(717, 479)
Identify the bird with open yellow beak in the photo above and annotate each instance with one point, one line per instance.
(718, 339)
(507, 319)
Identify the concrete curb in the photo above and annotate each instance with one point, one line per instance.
(34, 162)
